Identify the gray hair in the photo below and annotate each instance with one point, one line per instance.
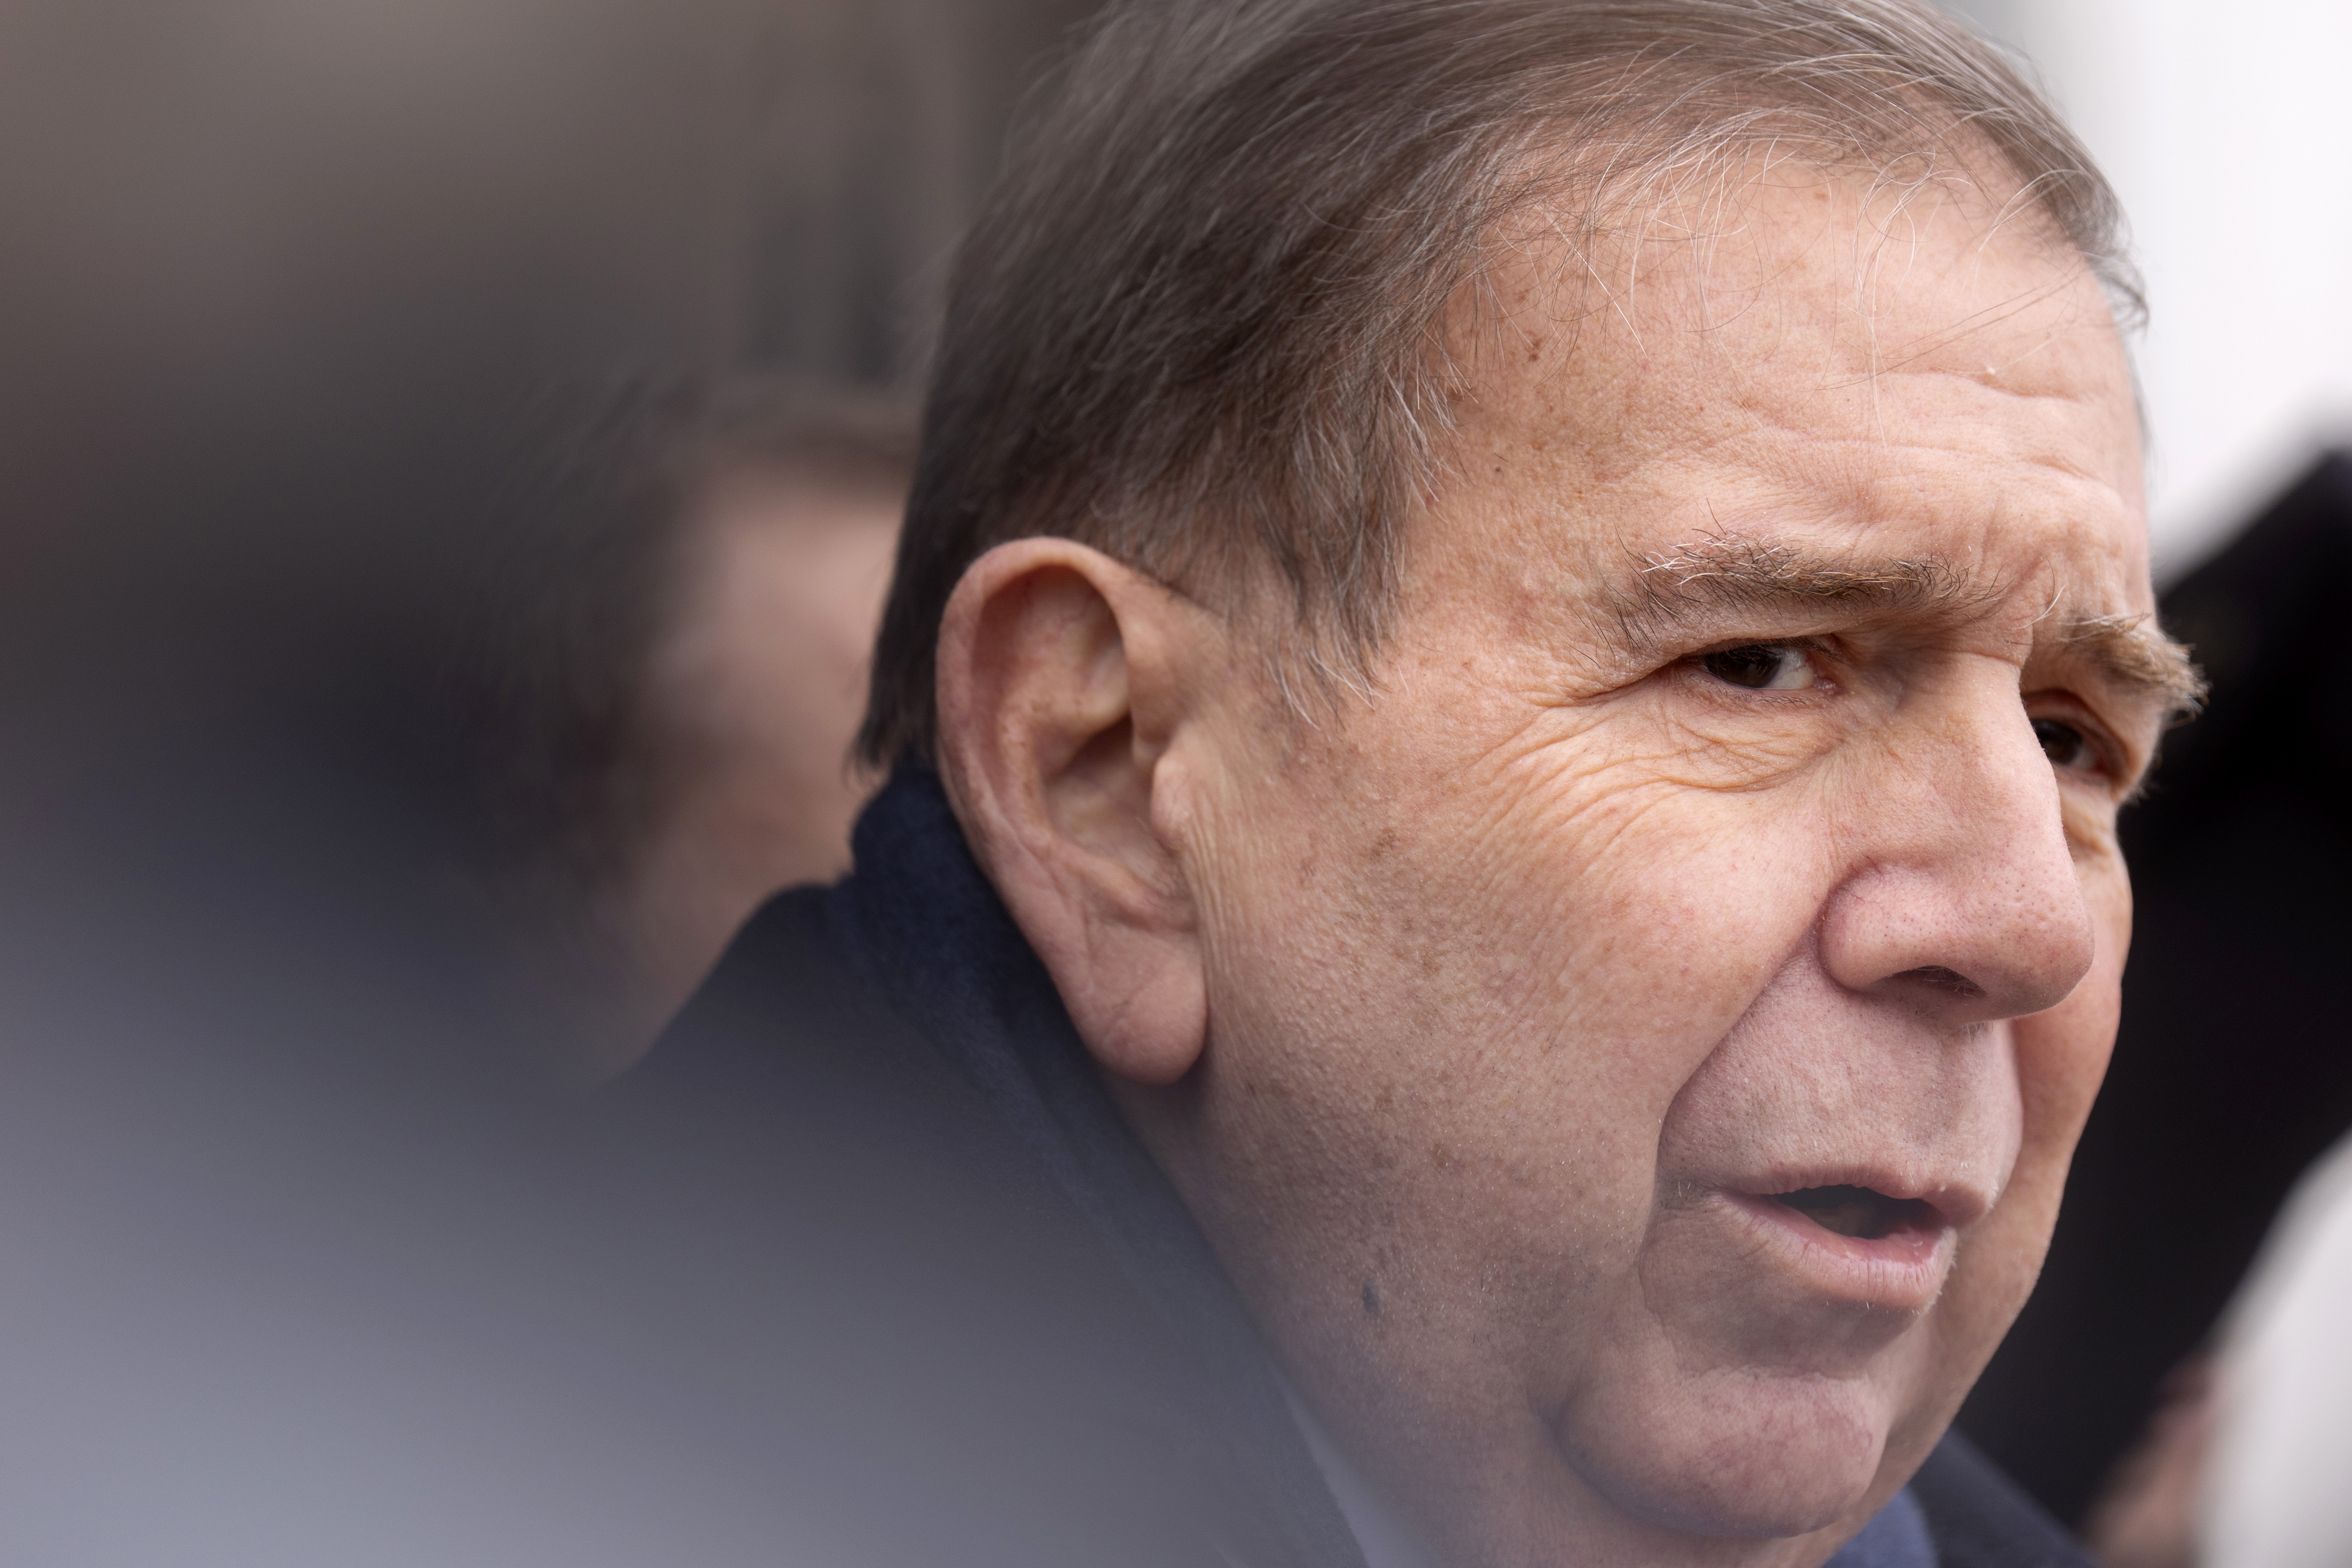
(1196, 326)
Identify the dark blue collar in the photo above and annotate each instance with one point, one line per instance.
(931, 932)
(1895, 1537)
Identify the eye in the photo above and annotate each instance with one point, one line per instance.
(2064, 745)
(1762, 667)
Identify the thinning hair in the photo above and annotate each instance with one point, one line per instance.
(1198, 324)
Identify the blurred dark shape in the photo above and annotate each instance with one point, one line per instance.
(885, 129)
(312, 317)
(2231, 1073)
(674, 744)
(2246, 1461)
(298, 303)
(919, 1330)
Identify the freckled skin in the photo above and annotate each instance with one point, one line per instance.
(1511, 970)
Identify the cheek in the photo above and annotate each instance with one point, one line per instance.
(1536, 898)
(1483, 982)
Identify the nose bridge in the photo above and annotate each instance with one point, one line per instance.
(1968, 872)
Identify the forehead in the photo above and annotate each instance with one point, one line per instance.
(1843, 362)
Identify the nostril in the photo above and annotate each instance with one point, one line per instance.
(1949, 981)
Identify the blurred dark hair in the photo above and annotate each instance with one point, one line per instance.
(1197, 324)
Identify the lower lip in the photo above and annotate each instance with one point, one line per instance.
(1902, 1271)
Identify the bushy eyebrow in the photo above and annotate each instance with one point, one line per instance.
(2132, 653)
(1702, 581)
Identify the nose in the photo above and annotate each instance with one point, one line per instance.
(1963, 899)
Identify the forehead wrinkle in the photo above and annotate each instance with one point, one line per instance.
(1899, 359)
(1849, 467)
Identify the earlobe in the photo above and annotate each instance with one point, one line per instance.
(1063, 682)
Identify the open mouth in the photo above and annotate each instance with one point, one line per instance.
(1860, 1212)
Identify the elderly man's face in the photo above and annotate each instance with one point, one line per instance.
(1646, 1038)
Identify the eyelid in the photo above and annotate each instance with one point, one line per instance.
(1818, 659)
(1815, 649)
(2115, 758)
(1724, 645)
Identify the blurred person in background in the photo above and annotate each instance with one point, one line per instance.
(680, 745)
(291, 295)
(757, 680)
(306, 309)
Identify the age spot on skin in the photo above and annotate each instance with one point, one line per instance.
(1372, 1300)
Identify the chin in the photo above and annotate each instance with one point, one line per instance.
(1739, 1452)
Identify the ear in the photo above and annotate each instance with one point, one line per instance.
(1063, 678)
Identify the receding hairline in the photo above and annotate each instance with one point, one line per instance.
(1601, 249)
